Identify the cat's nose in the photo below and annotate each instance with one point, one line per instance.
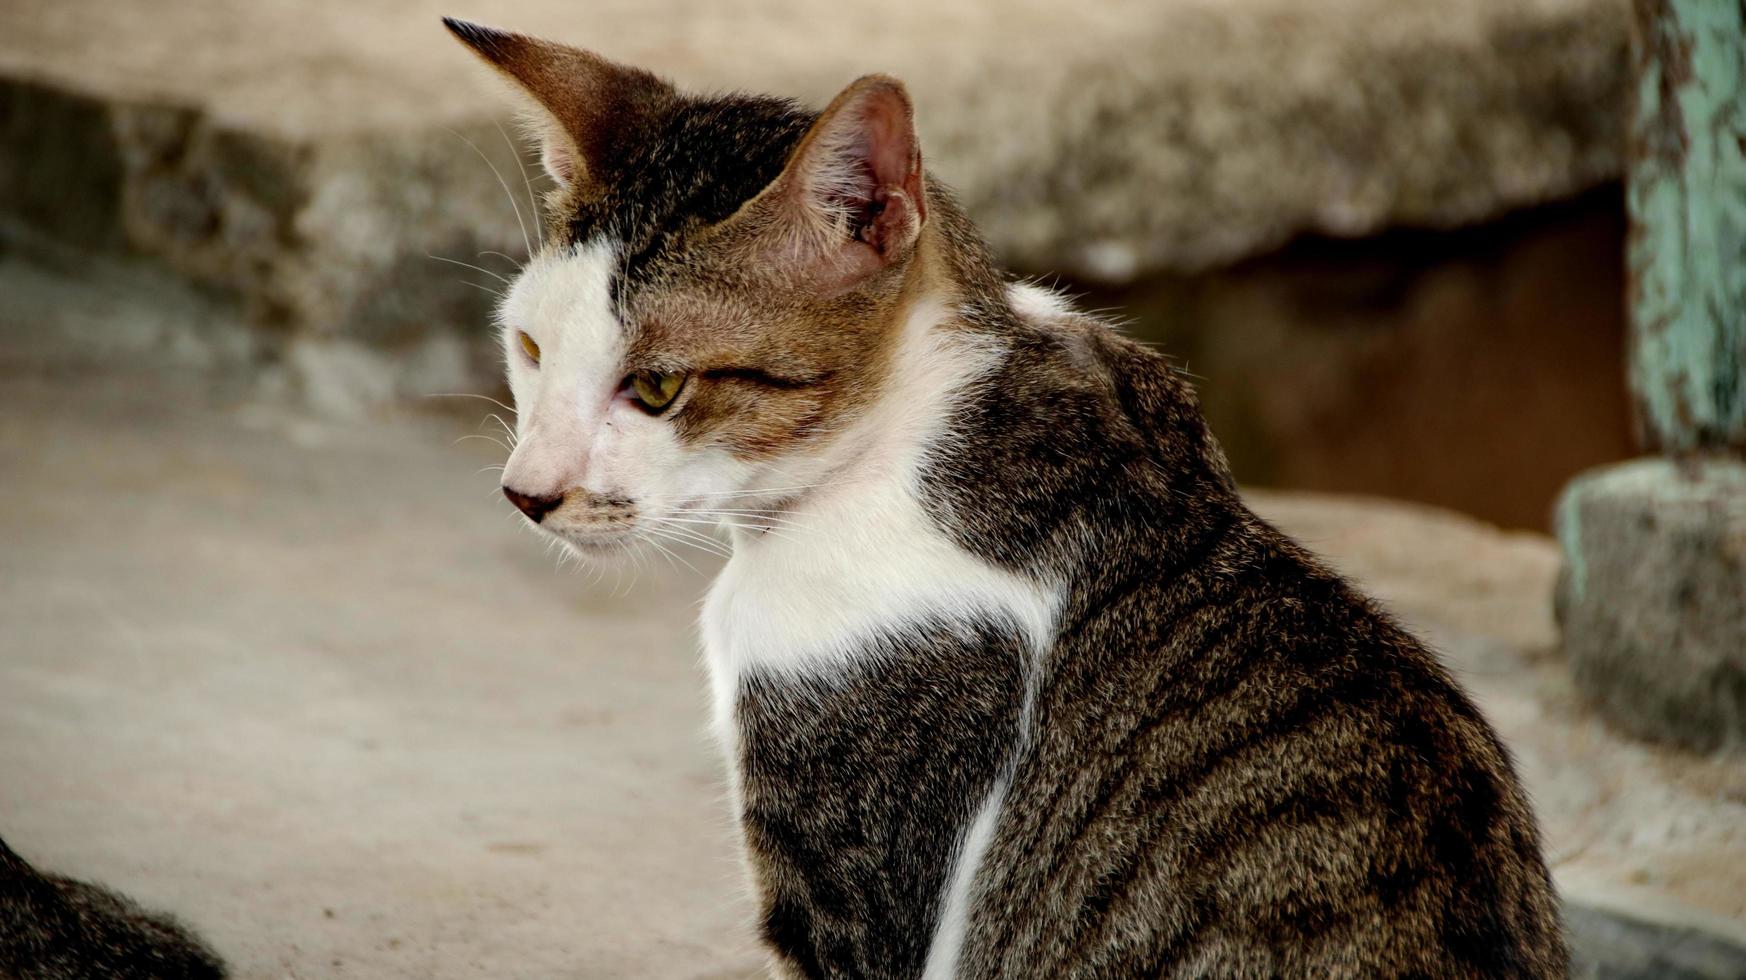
(534, 507)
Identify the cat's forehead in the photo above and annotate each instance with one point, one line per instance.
(565, 294)
(693, 163)
(581, 301)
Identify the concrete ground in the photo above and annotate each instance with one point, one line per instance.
(307, 684)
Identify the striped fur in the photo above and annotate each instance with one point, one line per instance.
(1023, 689)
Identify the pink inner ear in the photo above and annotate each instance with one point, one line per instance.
(855, 201)
(893, 206)
(890, 147)
(558, 160)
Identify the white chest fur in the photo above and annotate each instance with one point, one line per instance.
(856, 566)
(861, 560)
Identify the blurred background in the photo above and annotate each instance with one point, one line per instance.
(273, 654)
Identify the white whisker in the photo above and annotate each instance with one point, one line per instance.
(469, 394)
(533, 202)
(749, 493)
(746, 519)
(689, 536)
(525, 241)
(740, 513)
(699, 542)
(504, 256)
(513, 438)
(671, 555)
(488, 438)
(468, 265)
(480, 287)
(726, 516)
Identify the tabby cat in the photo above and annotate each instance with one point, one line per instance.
(1011, 682)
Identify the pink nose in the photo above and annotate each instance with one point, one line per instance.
(535, 508)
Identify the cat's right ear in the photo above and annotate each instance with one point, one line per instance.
(592, 106)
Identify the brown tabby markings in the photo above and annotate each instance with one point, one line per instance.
(1233, 765)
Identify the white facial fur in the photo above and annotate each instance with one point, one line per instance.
(578, 432)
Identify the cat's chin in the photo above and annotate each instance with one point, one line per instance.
(597, 547)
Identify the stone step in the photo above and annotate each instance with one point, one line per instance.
(310, 157)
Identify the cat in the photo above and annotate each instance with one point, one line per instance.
(1010, 681)
(55, 928)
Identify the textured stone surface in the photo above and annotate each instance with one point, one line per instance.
(306, 683)
(1105, 140)
(1653, 596)
(308, 159)
(1611, 945)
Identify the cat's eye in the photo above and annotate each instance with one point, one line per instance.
(527, 344)
(655, 390)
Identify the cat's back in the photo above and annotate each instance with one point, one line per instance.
(1256, 774)
(1238, 766)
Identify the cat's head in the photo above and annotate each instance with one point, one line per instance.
(716, 297)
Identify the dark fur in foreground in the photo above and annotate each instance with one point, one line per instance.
(54, 928)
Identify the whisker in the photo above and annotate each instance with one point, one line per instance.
(533, 202)
(468, 265)
(742, 513)
(481, 288)
(488, 438)
(525, 241)
(696, 539)
(771, 515)
(692, 543)
(775, 532)
(728, 510)
(760, 528)
(504, 256)
(748, 493)
(648, 542)
(671, 556)
(513, 438)
(716, 517)
(469, 394)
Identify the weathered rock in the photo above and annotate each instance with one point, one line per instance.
(1610, 944)
(297, 153)
(1653, 596)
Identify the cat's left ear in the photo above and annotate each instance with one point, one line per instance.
(850, 200)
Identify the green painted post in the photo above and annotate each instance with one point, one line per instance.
(1652, 602)
(1687, 204)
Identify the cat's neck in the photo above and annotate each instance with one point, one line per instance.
(859, 556)
(945, 340)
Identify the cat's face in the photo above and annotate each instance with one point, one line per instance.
(714, 305)
(674, 404)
